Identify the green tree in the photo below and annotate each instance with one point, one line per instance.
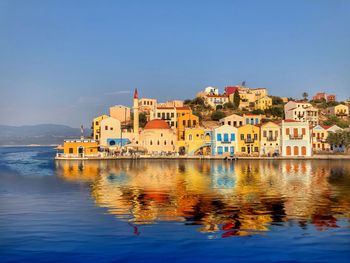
(217, 115)
(229, 105)
(339, 138)
(198, 101)
(142, 119)
(276, 100)
(218, 107)
(236, 99)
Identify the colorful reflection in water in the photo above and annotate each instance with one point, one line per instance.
(229, 199)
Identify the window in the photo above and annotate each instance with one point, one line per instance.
(158, 142)
(96, 122)
(226, 149)
(172, 143)
(256, 149)
(242, 136)
(246, 121)
(303, 131)
(225, 137)
(232, 149)
(287, 131)
(106, 128)
(256, 121)
(184, 122)
(233, 137)
(252, 121)
(151, 143)
(220, 150)
(229, 122)
(219, 138)
(168, 115)
(161, 135)
(243, 149)
(164, 142)
(172, 115)
(255, 136)
(172, 124)
(190, 137)
(264, 134)
(194, 122)
(70, 150)
(158, 114)
(111, 128)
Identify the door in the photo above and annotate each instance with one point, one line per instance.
(296, 150)
(303, 151)
(81, 151)
(288, 150)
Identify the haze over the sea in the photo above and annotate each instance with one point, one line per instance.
(68, 61)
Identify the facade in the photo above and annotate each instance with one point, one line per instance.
(211, 90)
(224, 140)
(157, 137)
(185, 120)
(147, 105)
(301, 111)
(325, 96)
(80, 148)
(193, 142)
(232, 120)
(296, 138)
(248, 140)
(319, 138)
(270, 139)
(167, 114)
(110, 129)
(250, 97)
(263, 103)
(250, 118)
(341, 111)
(120, 112)
(172, 103)
(96, 126)
(215, 100)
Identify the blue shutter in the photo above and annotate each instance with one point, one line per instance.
(219, 137)
(225, 137)
(226, 149)
(232, 149)
(247, 121)
(233, 137)
(220, 150)
(256, 121)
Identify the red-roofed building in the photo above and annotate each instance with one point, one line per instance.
(231, 90)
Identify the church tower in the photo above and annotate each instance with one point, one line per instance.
(136, 114)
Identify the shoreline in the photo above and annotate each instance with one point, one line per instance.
(314, 157)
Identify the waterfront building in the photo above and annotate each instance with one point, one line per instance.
(110, 129)
(120, 112)
(193, 142)
(158, 138)
(232, 120)
(96, 126)
(340, 111)
(253, 119)
(224, 140)
(185, 120)
(296, 138)
(80, 148)
(270, 139)
(263, 103)
(319, 138)
(248, 140)
(301, 111)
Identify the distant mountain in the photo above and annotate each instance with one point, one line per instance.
(43, 134)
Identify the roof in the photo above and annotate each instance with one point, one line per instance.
(251, 114)
(156, 124)
(136, 94)
(184, 108)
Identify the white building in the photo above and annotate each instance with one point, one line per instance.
(296, 138)
(110, 129)
(224, 140)
(232, 120)
(301, 111)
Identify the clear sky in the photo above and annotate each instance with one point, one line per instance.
(68, 61)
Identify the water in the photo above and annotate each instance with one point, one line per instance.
(173, 211)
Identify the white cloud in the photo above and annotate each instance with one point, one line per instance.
(118, 92)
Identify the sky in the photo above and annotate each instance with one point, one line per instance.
(68, 61)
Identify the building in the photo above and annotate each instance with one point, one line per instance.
(147, 105)
(270, 139)
(172, 103)
(250, 97)
(80, 148)
(319, 137)
(120, 112)
(167, 114)
(158, 138)
(341, 111)
(232, 120)
(296, 138)
(301, 111)
(250, 118)
(185, 120)
(215, 100)
(224, 140)
(324, 96)
(110, 129)
(248, 140)
(96, 126)
(193, 143)
(263, 103)
(231, 90)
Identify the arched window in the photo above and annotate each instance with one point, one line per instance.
(164, 142)
(158, 142)
(112, 142)
(172, 143)
(190, 137)
(150, 142)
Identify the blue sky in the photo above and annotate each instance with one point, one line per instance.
(68, 61)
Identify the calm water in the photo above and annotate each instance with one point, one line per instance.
(173, 211)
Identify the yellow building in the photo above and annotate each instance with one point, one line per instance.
(270, 139)
(80, 148)
(341, 111)
(248, 140)
(187, 120)
(263, 103)
(96, 126)
(193, 142)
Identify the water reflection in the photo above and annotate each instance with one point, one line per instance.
(234, 199)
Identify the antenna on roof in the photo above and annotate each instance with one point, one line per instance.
(243, 83)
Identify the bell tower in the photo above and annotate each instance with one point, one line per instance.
(136, 114)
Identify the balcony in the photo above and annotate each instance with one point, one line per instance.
(271, 139)
(321, 139)
(249, 140)
(296, 137)
(226, 141)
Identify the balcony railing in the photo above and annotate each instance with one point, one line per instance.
(296, 137)
(249, 140)
(271, 139)
(226, 141)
